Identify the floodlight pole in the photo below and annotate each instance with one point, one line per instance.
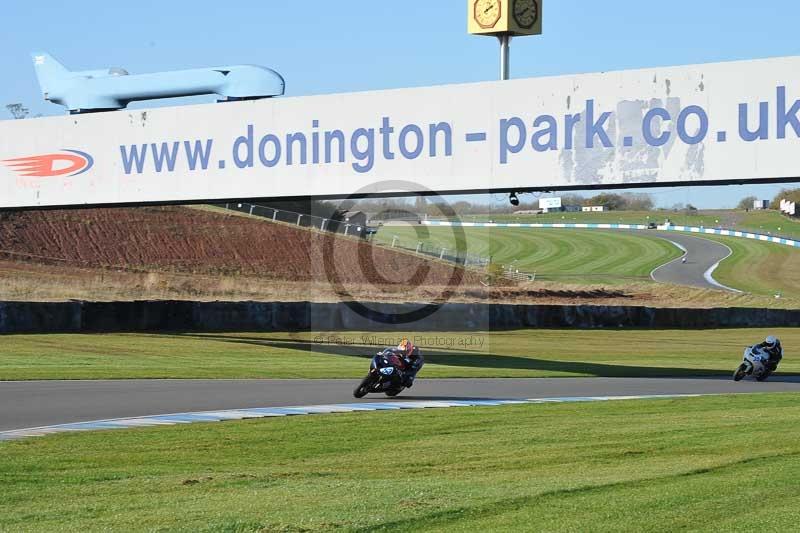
(505, 55)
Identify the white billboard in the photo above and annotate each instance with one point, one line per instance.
(695, 124)
(549, 203)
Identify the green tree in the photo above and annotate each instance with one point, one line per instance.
(610, 201)
(793, 195)
(746, 202)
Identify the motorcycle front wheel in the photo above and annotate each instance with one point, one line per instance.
(363, 387)
(740, 373)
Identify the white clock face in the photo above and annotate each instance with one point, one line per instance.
(526, 13)
(487, 12)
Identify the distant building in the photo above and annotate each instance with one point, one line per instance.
(560, 209)
(353, 223)
(355, 217)
(548, 205)
(761, 204)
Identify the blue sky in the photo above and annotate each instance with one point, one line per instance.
(325, 46)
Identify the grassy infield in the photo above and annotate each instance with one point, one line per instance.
(710, 464)
(660, 465)
(561, 255)
(767, 221)
(717, 463)
(596, 256)
(540, 353)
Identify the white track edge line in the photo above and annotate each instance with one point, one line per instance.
(158, 420)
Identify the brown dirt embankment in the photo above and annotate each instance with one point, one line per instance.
(184, 253)
(191, 241)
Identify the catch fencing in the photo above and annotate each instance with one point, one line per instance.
(300, 219)
(363, 231)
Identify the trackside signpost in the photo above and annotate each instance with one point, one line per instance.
(703, 124)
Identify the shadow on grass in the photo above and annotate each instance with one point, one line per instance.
(478, 360)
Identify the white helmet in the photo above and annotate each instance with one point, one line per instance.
(771, 341)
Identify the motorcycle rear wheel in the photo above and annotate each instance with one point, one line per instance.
(740, 373)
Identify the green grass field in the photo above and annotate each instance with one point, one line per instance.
(726, 463)
(596, 256)
(581, 256)
(762, 221)
(760, 268)
(524, 353)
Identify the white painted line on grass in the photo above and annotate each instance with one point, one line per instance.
(709, 274)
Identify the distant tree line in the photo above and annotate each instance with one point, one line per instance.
(422, 206)
(746, 202)
(793, 195)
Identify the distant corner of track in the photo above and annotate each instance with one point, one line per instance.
(709, 274)
(698, 273)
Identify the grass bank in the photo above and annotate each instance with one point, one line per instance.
(760, 268)
(577, 256)
(756, 221)
(701, 464)
(593, 256)
(524, 353)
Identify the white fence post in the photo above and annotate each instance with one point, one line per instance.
(441, 255)
(274, 214)
(394, 240)
(251, 208)
(346, 228)
(418, 246)
(299, 216)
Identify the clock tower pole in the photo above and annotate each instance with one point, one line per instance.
(504, 19)
(505, 55)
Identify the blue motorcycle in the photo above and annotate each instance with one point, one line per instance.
(385, 375)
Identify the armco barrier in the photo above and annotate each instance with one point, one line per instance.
(671, 227)
(95, 317)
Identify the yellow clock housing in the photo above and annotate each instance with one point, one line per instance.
(511, 17)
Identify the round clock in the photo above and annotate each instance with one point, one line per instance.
(526, 13)
(487, 12)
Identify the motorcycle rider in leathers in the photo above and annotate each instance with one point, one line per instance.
(772, 347)
(413, 361)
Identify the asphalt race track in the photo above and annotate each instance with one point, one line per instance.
(701, 256)
(27, 404)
